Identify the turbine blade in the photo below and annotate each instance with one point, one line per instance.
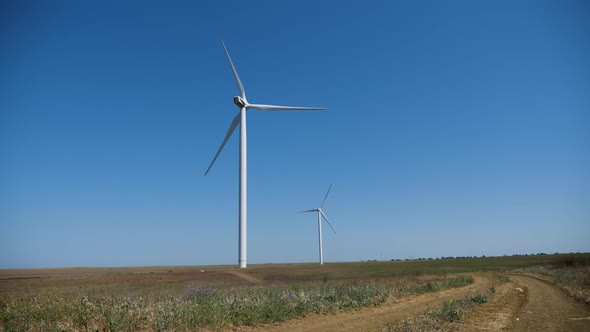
(325, 197)
(231, 129)
(283, 108)
(238, 82)
(326, 219)
(314, 210)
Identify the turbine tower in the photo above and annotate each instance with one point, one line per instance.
(320, 216)
(240, 119)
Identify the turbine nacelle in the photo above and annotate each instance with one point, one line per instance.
(240, 102)
(320, 212)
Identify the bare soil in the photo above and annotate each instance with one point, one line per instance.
(530, 303)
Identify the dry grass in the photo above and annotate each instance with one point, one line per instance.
(190, 297)
(127, 279)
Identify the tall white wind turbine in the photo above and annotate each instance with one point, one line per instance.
(240, 119)
(320, 216)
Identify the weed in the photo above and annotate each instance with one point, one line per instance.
(439, 284)
(481, 298)
(440, 319)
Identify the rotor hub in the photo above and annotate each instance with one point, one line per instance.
(240, 102)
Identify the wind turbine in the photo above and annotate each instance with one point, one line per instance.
(320, 216)
(240, 119)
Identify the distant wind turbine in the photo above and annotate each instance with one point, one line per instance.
(240, 119)
(320, 216)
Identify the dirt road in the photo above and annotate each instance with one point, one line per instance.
(376, 318)
(527, 303)
(549, 308)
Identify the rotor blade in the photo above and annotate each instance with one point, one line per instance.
(283, 108)
(314, 210)
(238, 82)
(326, 219)
(231, 129)
(325, 197)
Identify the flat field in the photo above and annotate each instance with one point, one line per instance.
(273, 296)
(123, 279)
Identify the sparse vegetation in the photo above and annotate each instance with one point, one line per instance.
(201, 307)
(438, 284)
(572, 273)
(440, 318)
(189, 298)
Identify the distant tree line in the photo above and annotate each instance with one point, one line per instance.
(468, 257)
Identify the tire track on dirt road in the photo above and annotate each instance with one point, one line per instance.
(548, 308)
(396, 310)
(528, 303)
(498, 314)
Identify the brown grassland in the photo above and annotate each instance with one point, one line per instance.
(119, 280)
(222, 297)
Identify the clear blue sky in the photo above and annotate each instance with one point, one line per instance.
(454, 128)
